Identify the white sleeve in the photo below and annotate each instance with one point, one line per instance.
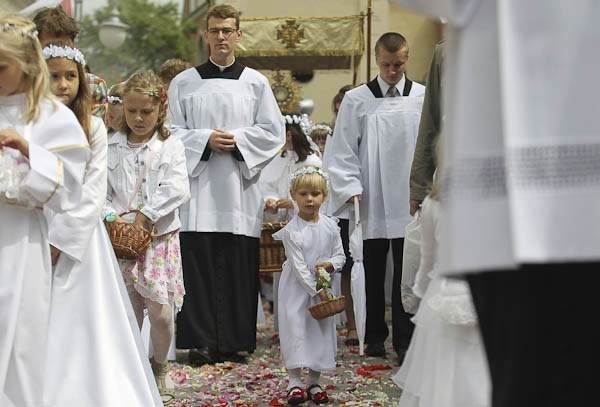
(342, 158)
(260, 142)
(457, 12)
(427, 250)
(339, 257)
(75, 227)
(173, 187)
(195, 141)
(293, 254)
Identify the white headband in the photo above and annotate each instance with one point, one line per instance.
(321, 127)
(114, 100)
(53, 51)
(311, 169)
(25, 32)
(302, 121)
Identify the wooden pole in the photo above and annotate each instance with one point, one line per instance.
(369, 22)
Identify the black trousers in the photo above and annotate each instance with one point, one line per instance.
(344, 225)
(220, 273)
(538, 328)
(375, 256)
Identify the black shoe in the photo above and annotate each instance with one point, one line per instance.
(200, 357)
(234, 357)
(401, 354)
(376, 349)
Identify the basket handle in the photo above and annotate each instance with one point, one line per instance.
(132, 211)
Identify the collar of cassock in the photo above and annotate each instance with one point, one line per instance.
(209, 70)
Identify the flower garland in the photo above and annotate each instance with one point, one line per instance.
(53, 51)
(301, 120)
(25, 32)
(308, 170)
(321, 127)
(114, 100)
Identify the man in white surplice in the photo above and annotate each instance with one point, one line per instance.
(231, 126)
(371, 153)
(520, 206)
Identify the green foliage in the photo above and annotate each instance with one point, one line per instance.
(155, 34)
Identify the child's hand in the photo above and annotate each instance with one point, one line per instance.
(54, 255)
(10, 138)
(271, 205)
(285, 204)
(142, 221)
(326, 265)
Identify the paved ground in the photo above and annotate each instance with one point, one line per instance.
(357, 381)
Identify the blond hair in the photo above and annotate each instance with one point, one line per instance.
(149, 84)
(312, 181)
(18, 41)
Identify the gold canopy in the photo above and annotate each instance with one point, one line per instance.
(301, 44)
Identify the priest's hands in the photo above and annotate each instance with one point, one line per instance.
(221, 141)
(54, 255)
(10, 138)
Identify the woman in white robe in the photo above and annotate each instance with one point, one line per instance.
(95, 355)
(52, 153)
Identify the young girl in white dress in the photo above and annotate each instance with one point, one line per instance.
(43, 154)
(445, 365)
(95, 355)
(311, 241)
(114, 109)
(147, 183)
(274, 179)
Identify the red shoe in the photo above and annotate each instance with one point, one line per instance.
(296, 396)
(317, 394)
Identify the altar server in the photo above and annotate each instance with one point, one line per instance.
(370, 157)
(229, 121)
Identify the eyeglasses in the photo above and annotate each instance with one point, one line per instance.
(225, 31)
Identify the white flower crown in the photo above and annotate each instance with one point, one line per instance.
(302, 120)
(114, 100)
(321, 127)
(53, 51)
(311, 169)
(25, 32)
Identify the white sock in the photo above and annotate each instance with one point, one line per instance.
(295, 379)
(313, 377)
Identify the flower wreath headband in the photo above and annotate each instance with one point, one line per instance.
(322, 127)
(301, 120)
(53, 51)
(25, 32)
(114, 100)
(308, 170)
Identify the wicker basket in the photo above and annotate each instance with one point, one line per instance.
(328, 308)
(272, 254)
(130, 242)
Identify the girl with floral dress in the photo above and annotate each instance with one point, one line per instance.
(147, 183)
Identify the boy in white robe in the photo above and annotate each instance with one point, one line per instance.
(370, 156)
(231, 126)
